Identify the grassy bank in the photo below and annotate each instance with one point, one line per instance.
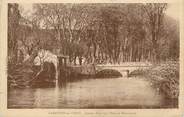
(164, 77)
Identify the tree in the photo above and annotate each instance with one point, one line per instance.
(155, 13)
(67, 20)
(103, 32)
(13, 24)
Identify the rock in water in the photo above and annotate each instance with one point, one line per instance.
(47, 77)
(18, 75)
(22, 76)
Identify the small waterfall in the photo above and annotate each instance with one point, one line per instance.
(56, 85)
(56, 90)
(57, 81)
(56, 94)
(47, 56)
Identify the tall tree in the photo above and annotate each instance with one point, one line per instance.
(13, 24)
(155, 13)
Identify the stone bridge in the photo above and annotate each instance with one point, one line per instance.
(125, 70)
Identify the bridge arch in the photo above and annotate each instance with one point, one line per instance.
(108, 73)
(125, 70)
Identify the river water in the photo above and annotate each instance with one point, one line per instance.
(89, 93)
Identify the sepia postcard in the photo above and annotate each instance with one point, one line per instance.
(77, 58)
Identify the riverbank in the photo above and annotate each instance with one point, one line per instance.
(151, 88)
(164, 77)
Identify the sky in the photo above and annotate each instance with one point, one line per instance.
(172, 10)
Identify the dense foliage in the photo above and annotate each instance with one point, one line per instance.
(164, 77)
(96, 33)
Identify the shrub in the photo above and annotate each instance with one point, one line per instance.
(165, 76)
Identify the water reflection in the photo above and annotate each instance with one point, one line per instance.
(89, 93)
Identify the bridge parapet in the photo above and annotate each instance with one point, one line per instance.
(123, 69)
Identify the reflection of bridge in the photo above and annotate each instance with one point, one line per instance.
(123, 69)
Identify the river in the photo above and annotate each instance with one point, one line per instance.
(90, 93)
